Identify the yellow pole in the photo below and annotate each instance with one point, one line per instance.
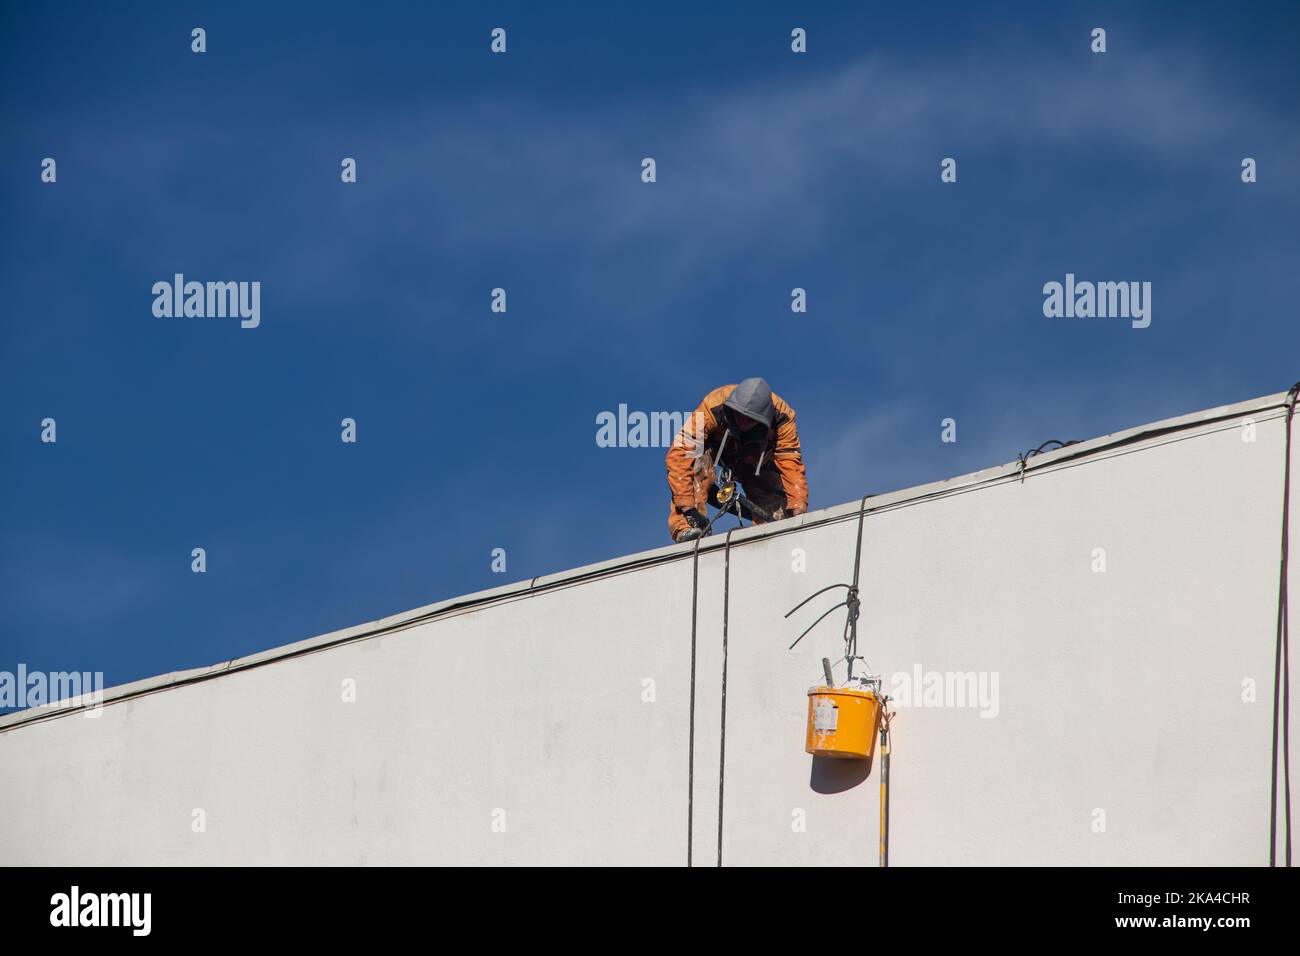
(884, 787)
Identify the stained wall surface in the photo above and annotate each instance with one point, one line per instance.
(1084, 661)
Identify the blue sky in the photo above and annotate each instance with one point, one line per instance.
(477, 430)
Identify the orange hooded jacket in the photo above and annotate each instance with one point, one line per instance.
(704, 432)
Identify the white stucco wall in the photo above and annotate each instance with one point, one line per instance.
(1119, 692)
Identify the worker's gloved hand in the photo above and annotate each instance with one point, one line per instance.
(695, 519)
(689, 534)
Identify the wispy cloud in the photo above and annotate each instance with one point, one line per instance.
(738, 167)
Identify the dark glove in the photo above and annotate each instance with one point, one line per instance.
(695, 519)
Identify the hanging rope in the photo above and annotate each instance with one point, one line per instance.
(1282, 662)
(850, 601)
(854, 605)
(695, 603)
(690, 773)
(722, 746)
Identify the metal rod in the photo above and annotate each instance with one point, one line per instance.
(884, 788)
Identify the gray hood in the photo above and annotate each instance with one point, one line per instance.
(753, 398)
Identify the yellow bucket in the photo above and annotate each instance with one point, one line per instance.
(842, 722)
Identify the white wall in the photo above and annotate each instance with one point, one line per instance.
(1118, 691)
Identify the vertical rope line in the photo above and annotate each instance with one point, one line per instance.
(690, 772)
(857, 552)
(722, 746)
(851, 619)
(1282, 661)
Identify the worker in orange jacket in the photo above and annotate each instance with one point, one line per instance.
(750, 430)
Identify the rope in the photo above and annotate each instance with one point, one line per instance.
(722, 747)
(695, 603)
(851, 600)
(1282, 661)
(857, 554)
(690, 773)
(1024, 459)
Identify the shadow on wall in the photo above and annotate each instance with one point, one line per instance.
(835, 775)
